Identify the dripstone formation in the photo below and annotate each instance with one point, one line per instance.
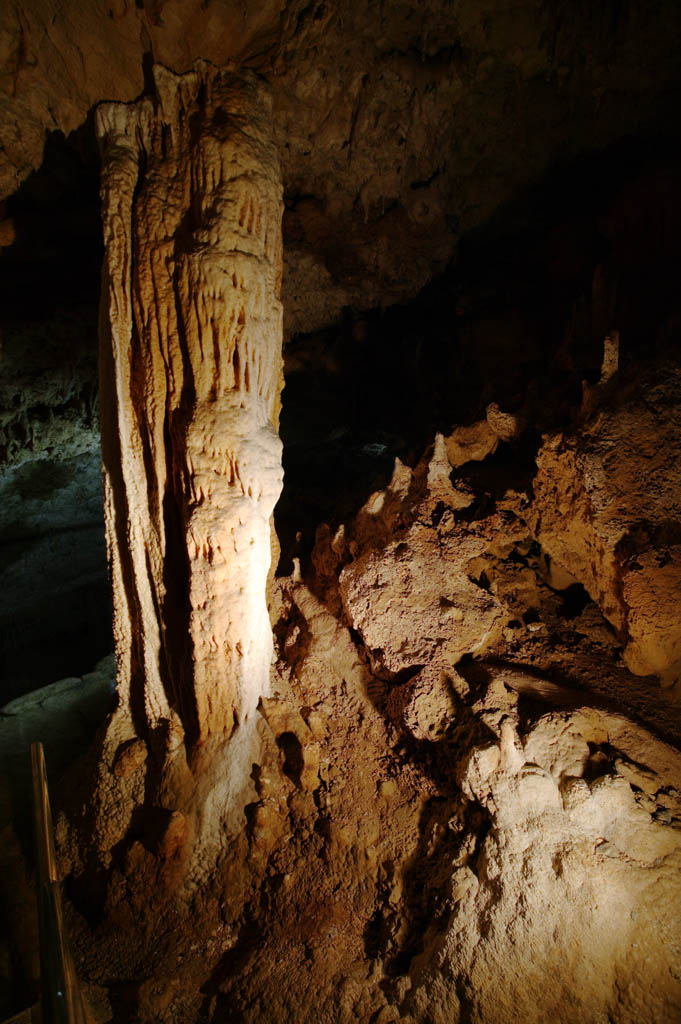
(413, 756)
(191, 374)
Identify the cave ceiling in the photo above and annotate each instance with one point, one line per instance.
(400, 125)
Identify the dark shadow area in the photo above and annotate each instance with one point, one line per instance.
(55, 639)
(55, 261)
(55, 612)
(292, 752)
(575, 600)
(519, 319)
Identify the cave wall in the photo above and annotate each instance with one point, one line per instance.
(399, 126)
(463, 801)
(55, 604)
(402, 131)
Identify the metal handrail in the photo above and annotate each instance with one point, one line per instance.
(61, 1001)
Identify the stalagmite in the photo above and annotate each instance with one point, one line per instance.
(191, 372)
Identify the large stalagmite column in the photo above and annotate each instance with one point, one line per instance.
(191, 377)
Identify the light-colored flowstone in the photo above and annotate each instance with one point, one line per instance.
(191, 374)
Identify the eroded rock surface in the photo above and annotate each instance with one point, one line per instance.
(455, 815)
(191, 376)
(399, 126)
(191, 366)
(607, 511)
(462, 779)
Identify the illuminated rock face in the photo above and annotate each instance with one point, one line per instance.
(191, 376)
(606, 510)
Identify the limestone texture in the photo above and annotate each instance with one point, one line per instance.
(400, 126)
(190, 366)
(466, 806)
(191, 374)
(401, 130)
(607, 511)
(430, 773)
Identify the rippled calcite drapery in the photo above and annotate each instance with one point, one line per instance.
(191, 376)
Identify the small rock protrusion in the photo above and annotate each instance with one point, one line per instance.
(129, 757)
(507, 426)
(471, 444)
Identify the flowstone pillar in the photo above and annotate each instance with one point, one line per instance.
(191, 374)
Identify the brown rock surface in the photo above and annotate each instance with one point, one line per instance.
(455, 794)
(474, 442)
(450, 820)
(606, 509)
(487, 842)
(423, 573)
(399, 127)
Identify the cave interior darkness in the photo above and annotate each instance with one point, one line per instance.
(373, 875)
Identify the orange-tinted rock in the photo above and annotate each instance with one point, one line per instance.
(606, 510)
(191, 367)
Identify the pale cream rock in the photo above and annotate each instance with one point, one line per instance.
(574, 883)
(191, 374)
(191, 366)
(471, 444)
(507, 426)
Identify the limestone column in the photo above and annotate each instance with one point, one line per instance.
(191, 373)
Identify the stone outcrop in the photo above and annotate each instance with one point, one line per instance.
(606, 510)
(425, 571)
(454, 793)
(497, 836)
(464, 804)
(399, 132)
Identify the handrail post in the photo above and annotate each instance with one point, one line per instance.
(61, 1001)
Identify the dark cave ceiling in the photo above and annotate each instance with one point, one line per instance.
(401, 125)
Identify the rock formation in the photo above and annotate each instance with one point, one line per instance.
(456, 815)
(191, 375)
(400, 131)
(399, 127)
(606, 512)
(429, 770)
